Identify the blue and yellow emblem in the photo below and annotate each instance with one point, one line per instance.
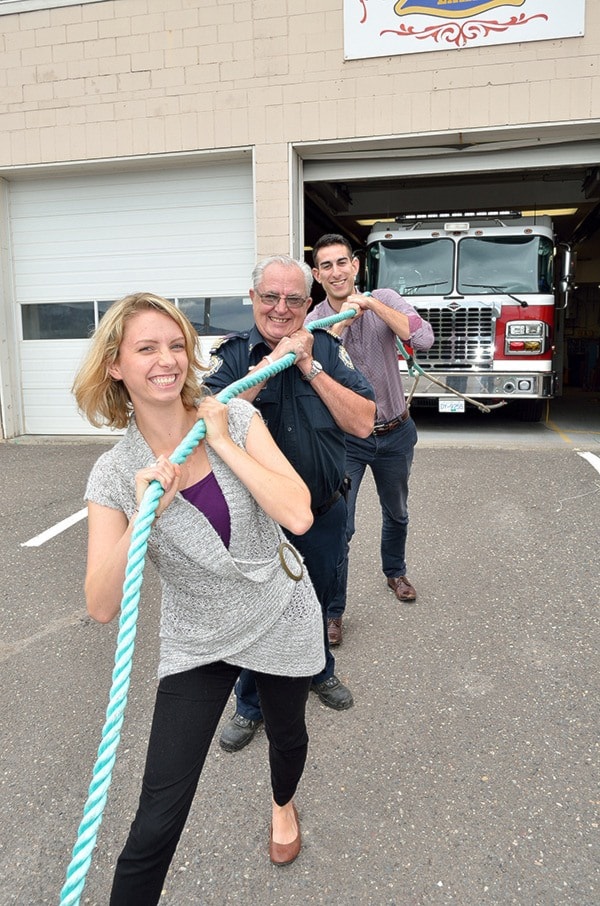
(450, 9)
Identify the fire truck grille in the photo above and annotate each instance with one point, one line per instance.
(464, 337)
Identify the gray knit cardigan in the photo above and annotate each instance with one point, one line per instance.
(237, 605)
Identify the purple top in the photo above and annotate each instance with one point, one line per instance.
(206, 495)
(372, 347)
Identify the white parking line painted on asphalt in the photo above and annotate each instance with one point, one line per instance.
(56, 529)
(592, 459)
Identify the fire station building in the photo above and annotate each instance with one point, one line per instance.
(166, 145)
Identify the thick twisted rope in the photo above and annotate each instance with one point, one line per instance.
(416, 372)
(111, 732)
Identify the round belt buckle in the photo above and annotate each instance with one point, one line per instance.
(283, 547)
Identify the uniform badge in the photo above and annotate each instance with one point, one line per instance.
(345, 358)
(214, 363)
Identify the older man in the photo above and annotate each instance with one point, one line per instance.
(309, 409)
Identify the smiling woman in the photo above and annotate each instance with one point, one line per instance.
(99, 388)
(152, 356)
(217, 537)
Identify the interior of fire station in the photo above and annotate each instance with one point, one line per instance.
(350, 199)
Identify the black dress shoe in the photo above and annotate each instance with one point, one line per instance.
(238, 732)
(334, 694)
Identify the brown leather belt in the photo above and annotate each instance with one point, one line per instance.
(386, 427)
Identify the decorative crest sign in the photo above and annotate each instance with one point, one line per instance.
(381, 28)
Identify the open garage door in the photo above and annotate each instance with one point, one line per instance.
(346, 188)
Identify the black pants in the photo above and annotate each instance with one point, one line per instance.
(188, 708)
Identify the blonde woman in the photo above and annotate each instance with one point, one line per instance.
(234, 592)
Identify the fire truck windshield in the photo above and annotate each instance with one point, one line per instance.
(416, 267)
(505, 264)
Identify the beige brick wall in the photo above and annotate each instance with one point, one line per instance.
(130, 77)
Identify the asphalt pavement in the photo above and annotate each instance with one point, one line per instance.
(466, 773)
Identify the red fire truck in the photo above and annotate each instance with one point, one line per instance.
(494, 290)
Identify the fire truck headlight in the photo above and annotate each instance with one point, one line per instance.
(525, 337)
(525, 329)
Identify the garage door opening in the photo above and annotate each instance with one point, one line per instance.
(351, 195)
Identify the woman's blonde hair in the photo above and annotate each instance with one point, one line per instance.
(104, 400)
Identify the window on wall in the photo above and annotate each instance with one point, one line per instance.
(58, 321)
(215, 317)
(26, 6)
(78, 320)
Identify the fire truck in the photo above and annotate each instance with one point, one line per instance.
(495, 290)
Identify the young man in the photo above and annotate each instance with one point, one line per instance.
(310, 409)
(370, 339)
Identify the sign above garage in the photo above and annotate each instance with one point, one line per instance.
(382, 28)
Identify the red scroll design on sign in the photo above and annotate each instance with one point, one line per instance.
(461, 34)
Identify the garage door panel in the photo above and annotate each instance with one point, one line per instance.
(182, 233)
(48, 370)
(213, 207)
(122, 230)
(140, 231)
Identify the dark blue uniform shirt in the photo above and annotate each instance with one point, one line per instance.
(299, 421)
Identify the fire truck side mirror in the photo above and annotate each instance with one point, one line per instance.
(566, 280)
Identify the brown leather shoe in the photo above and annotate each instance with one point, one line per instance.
(402, 588)
(284, 853)
(334, 631)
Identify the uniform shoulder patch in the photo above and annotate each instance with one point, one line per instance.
(345, 358)
(221, 341)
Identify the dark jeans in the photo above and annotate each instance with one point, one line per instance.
(390, 459)
(322, 547)
(187, 710)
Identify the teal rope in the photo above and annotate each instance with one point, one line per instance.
(415, 369)
(111, 732)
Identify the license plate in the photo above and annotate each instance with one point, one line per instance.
(451, 405)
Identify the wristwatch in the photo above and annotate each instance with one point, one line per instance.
(315, 369)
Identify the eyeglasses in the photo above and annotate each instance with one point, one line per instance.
(272, 299)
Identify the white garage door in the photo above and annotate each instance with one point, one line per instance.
(80, 242)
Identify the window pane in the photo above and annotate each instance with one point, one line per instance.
(58, 321)
(421, 267)
(513, 264)
(103, 308)
(215, 317)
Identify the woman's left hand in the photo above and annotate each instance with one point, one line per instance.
(215, 418)
(166, 473)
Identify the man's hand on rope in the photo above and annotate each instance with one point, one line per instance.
(360, 302)
(353, 307)
(300, 343)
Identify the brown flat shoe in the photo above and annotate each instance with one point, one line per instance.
(402, 588)
(284, 853)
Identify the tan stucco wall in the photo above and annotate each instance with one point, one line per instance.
(135, 77)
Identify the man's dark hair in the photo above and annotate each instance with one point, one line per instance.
(327, 240)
